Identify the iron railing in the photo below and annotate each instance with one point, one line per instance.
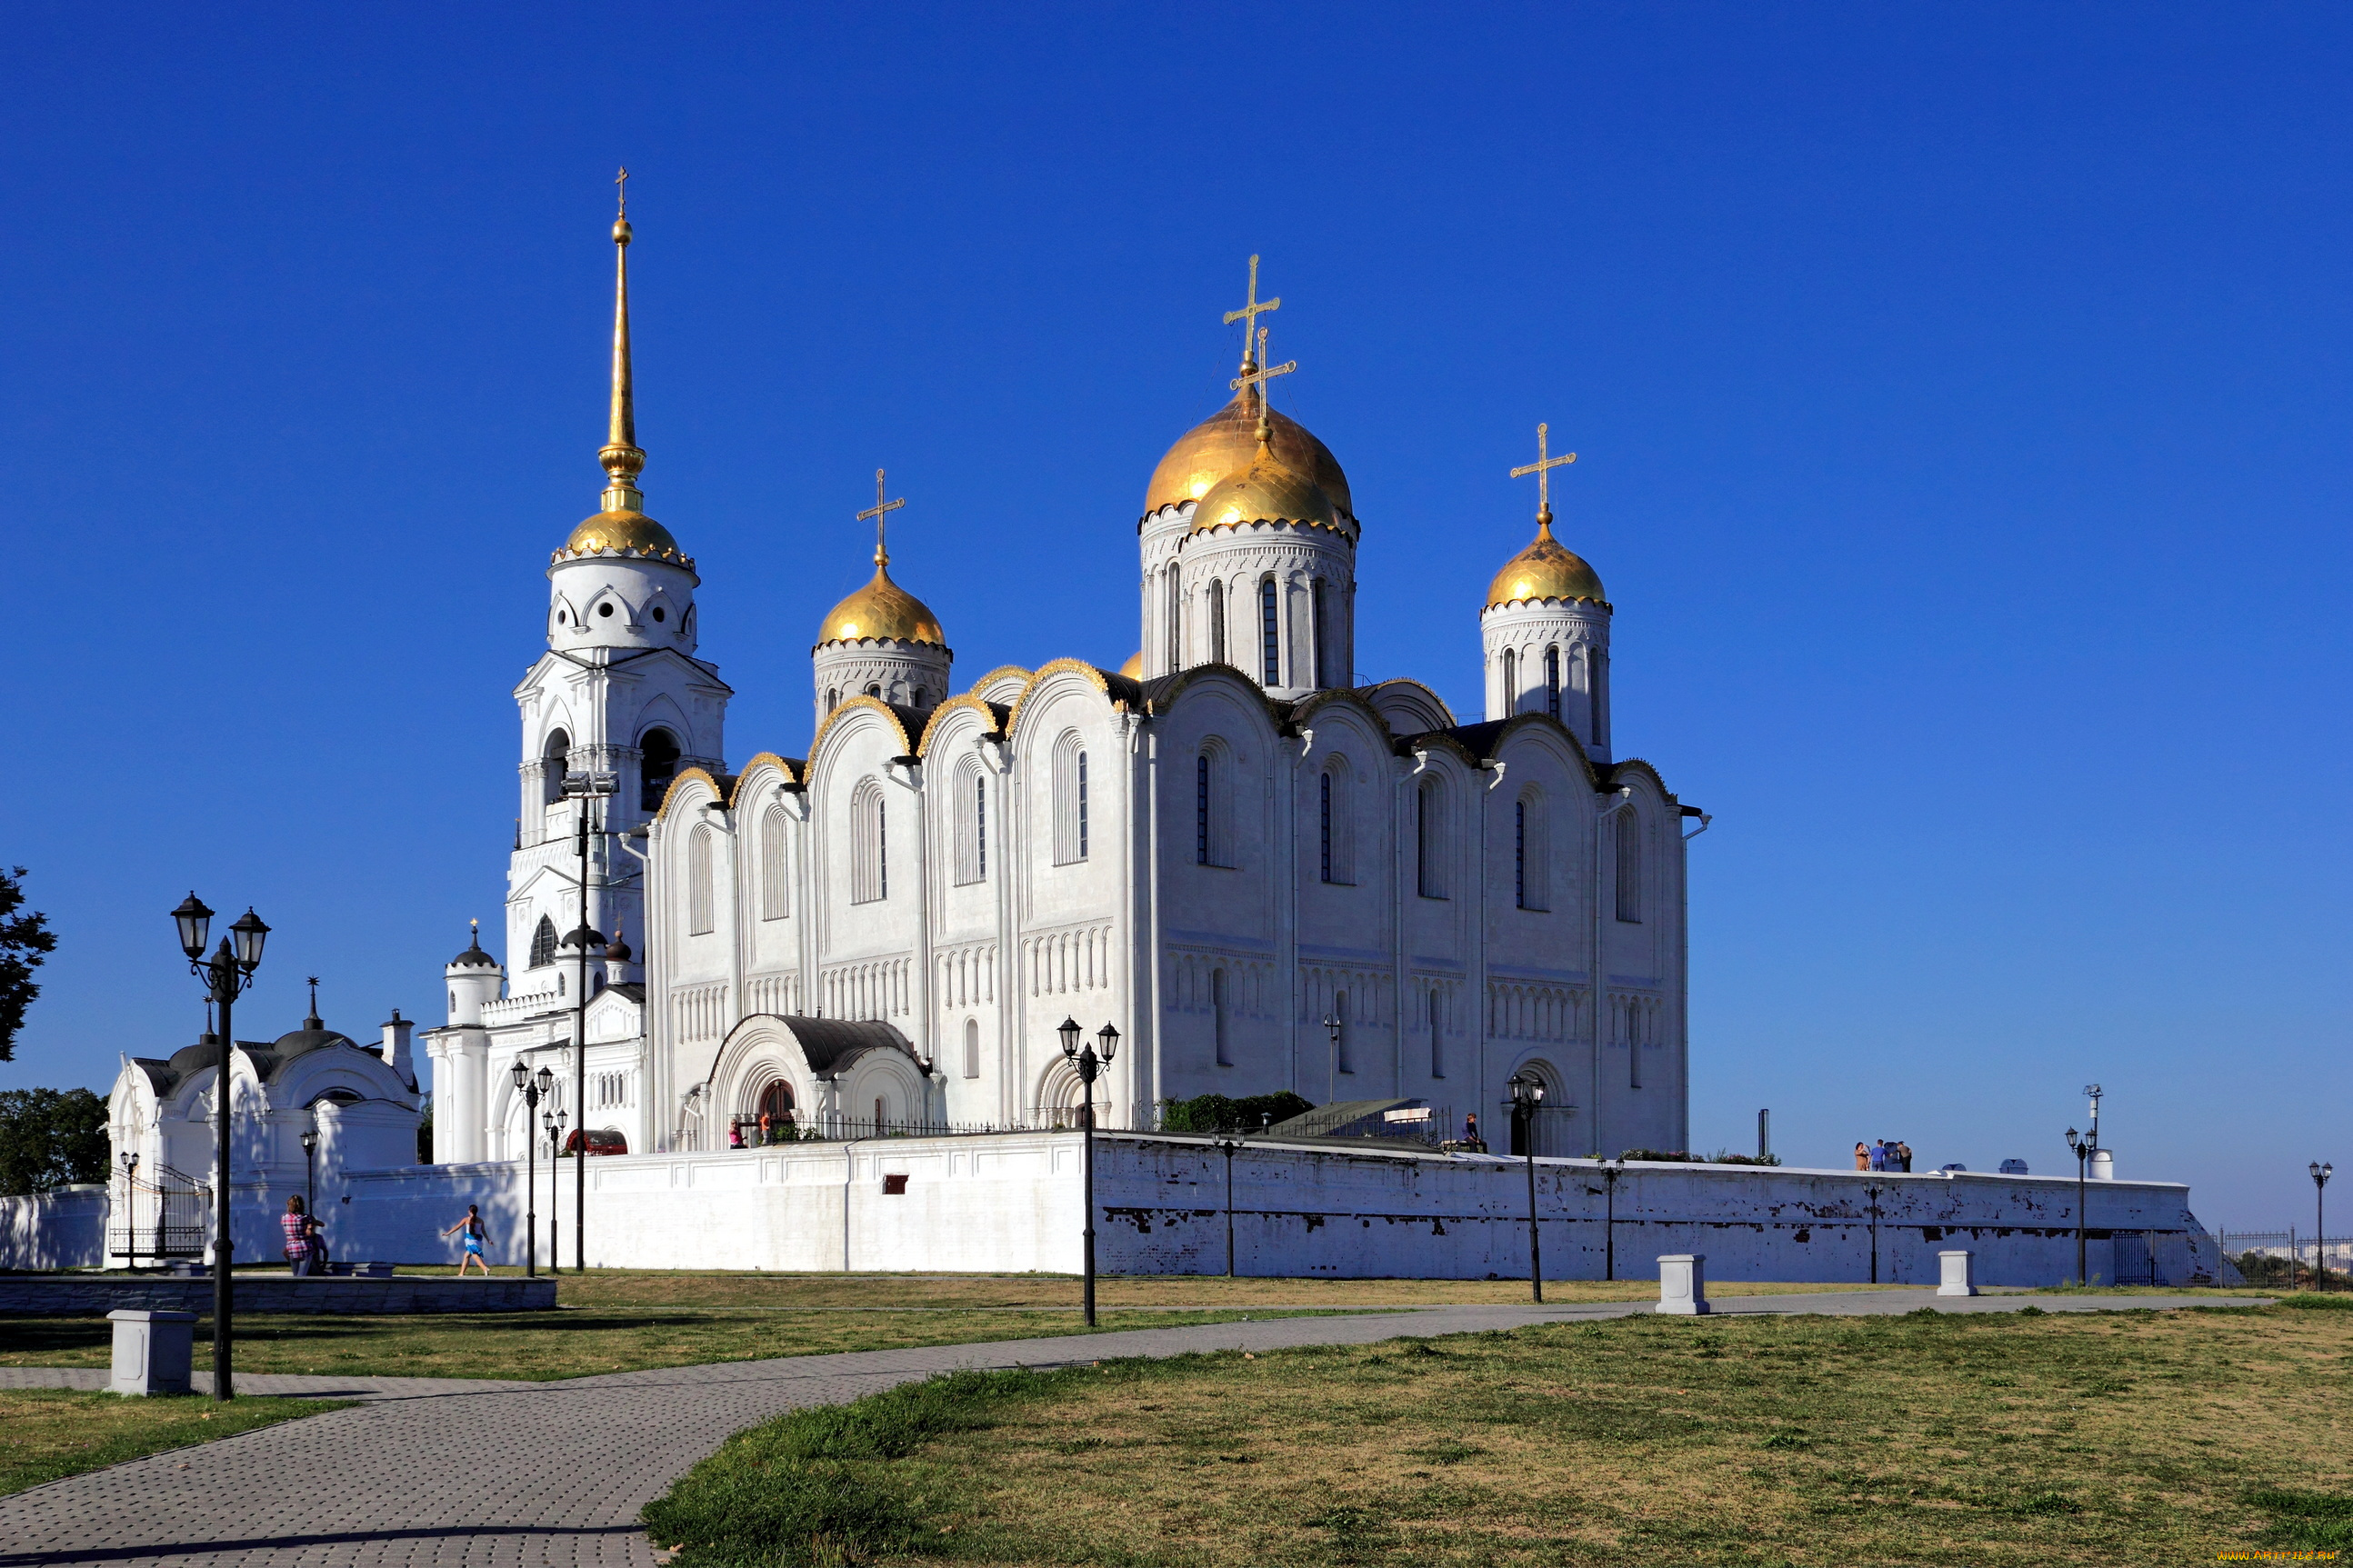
(157, 1218)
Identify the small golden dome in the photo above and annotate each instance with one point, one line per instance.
(1267, 491)
(882, 609)
(632, 531)
(1226, 443)
(1545, 570)
(1134, 667)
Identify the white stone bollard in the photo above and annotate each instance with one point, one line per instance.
(1956, 1280)
(152, 1351)
(1683, 1284)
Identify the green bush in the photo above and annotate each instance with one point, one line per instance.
(1216, 1113)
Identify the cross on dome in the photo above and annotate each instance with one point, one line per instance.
(880, 511)
(1542, 468)
(1252, 308)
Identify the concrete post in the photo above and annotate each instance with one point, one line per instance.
(1683, 1284)
(152, 1352)
(1956, 1276)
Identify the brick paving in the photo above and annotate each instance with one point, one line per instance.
(438, 1473)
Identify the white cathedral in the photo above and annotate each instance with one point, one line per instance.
(1265, 876)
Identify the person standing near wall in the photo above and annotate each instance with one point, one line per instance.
(1862, 1157)
(297, 1227)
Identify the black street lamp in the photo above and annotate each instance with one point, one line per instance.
(531, 1087)
(130, 1211)
(2320, 1175)
(1528, 1099)
(1229, 1140)
(553, 1122)
(587, 788)
(2082, 1146)
(1089, 1065)
(226, 974)
(311, 1164)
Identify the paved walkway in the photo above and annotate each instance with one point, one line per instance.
(444, 1472)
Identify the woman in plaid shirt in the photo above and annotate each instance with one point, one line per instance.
(299, 1227)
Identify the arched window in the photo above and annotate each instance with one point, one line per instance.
(875, 691)
(543, 942)
(868, 869)
(1213, 837)
(971, 819)
(1070, 799)
(1175, 624)
(702, 909)
(832, 698)
(972, 1048)
(1323, 823)
(1629, 867)
(1270, 633)
(1217, 622)
(1317, 642)
(776, 884)
(1596, 674)
(657, 765)
(915, 698)
(1531, 852)
(1335, 825)
(1552, 681)
(1436, 1034)
(1218, 1018)
(1510, 683)
(554, 758)
(1430, 840)
(1201, 809)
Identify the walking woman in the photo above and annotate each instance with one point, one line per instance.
(475, 1236)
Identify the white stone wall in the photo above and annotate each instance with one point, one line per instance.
(64, 1229)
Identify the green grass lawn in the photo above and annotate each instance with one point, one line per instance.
(1997, 1440)
(47, 1434)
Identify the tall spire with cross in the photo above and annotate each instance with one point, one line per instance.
(621, 457)
(1542, 468)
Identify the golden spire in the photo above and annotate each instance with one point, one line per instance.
(621, 457)
(880, 511)
(1253, 376)
(1247, 316)
(1542, 468)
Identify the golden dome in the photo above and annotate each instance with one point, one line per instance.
(1134, 667)
(1227, 442)
(1545, 570)
(1269, 490)
(882, 609)
(631, 532)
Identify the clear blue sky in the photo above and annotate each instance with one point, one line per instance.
(1962, 397)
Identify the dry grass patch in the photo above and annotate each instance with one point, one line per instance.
(47, 1434)
(1992, 1439)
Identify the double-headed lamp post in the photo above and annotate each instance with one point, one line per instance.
(2082, 1146)
(226, 974)
(1090, 1065)
(1528, 1099)
(531, 1087)
(2321, 1172)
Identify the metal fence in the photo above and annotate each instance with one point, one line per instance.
(2284, 1258)
(157, 1218)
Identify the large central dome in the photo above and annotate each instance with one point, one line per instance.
(883, 610)
(1226, 444)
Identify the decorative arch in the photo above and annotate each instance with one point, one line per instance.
(1546, 1126)
(1336, 820)
(1069, 802)
(1531, 850)
(702, 903)
(542, 943)
(555, 762)
(869, 867)
(775, 864)
(968, 818)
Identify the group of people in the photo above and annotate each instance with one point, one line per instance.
(1887, 1155)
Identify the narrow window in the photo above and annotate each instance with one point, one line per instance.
(1593, 678)
(701, 907)
(1217, 622)
(1201, 809)
(980, 826)
(881, 847)
(1437, 1035)
(971, 824)
(543, 942)
(553, 762)
(1552, 681)
(1531, 852)
(1217, 1011)
(1082, 805)
(1315, 643)
(776, 889)
(915, 698)
(1069, 802)
(1324, 827)
(832, 698)
(881, 1112)
(869, 873)
(1510, 683)
(1630, 868)
(657, 765)
(1428, 842)
(875, 692)
(1175, 624)
(1520, 853)
(1270, 636)
(972, 1048)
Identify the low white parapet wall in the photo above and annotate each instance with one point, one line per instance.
(1011, 1203)
(64, 1229)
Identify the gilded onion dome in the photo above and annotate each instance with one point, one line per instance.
(882, 609)
(1226, 443)
(1134, 667)
(1545, 570)
(628, 530)
(1268, 490)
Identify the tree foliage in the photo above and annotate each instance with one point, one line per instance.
(49, 1137)
(1217, 1114)
(24, 940)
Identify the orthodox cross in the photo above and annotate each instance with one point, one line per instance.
(1541, 469)
(879, 511)
(622, 181)
(1252, 308)
(1266, 372)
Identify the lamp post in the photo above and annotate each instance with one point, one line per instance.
(311, 1164)
(1229, 1140)
(226, 974)
(553, 1122)
(531, 1087)
(1331, 1028)
(1089, 1065)
(2083, 1147)
(131, 1211)
(1528, 1099)
(586, 788)
(2320, 1175)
